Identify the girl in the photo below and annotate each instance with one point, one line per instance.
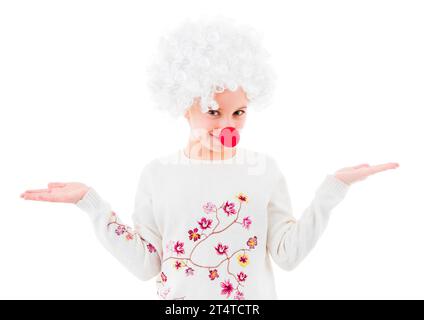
(209, 217)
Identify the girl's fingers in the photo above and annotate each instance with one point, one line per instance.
(51, 185)
(39, 197)
(37, 190)
(380, 167)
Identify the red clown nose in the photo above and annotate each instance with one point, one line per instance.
(229, 137)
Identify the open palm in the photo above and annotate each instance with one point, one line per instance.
(350, 175)
(70, 192)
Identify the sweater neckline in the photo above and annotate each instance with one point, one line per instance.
(210, 161)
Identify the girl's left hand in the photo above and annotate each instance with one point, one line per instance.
(350, 175)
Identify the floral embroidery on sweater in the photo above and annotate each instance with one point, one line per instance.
(230, 282)
(126, 231)
(164, 291)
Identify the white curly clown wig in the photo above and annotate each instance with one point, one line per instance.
(206, 56)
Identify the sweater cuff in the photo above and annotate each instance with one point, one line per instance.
(333, 186)
(92, 203)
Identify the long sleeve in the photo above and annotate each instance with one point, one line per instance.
(289, 240)
(138, 248)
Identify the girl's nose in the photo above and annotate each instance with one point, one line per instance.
(227, 123)
(217, 131)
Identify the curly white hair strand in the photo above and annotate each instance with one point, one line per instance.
(206, 56)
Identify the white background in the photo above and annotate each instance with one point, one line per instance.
(74, 107)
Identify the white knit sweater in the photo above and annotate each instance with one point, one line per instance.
(206, 229)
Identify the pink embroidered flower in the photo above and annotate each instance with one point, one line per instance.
(120, 230)
(242, 276)
(242, 197)
(179, 247)
(189, 271)
(129, 236)
(151, 248)
(252, 242)
(229, 208)
(227, 288)
(239, 295)
(194, 235)
(163, 277)
(221, 249)
(246, 222)
(178, 264)
(205, 223)
(213, 274)
(209, 207)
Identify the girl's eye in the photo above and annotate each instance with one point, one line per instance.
(216, 113)
(213, 112)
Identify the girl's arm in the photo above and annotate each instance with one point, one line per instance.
(290, 239)
(138, 248)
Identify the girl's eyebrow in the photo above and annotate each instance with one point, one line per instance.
(243, 107)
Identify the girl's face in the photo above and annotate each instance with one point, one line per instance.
(206, 126)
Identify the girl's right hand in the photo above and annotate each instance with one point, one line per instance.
(70, 192)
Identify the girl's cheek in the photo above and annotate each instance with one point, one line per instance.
(240, 123)
(209, 126)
